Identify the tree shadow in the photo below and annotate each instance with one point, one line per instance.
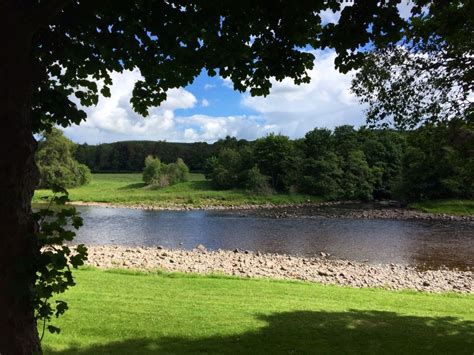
(305, 332)
(137, 185)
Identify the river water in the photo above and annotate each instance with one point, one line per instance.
(419, 243)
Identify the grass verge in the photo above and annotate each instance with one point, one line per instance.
(452, 207)
(117, 312)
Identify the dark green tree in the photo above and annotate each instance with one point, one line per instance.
(273, 155)
(56, 163)
(438, 163)
(227, 170)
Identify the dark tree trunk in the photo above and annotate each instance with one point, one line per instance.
(18, 177)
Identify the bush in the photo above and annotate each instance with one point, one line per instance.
(159, 174)
(257, 182)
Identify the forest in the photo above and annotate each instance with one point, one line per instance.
(431, 162)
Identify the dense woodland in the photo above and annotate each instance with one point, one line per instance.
(435, 161)
(129, 156)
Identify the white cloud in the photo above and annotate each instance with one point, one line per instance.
(209, 86)
(289, 109)
(328, 16)
(324, 102)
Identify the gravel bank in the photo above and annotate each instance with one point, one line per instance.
(276, 266)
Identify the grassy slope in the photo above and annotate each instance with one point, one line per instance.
(117, 312)
(459, 207)
(130, 189)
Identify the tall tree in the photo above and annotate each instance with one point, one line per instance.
(55, 49)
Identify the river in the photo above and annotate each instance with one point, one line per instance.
(426, 244)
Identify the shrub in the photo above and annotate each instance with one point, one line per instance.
(159, 174)
(257, 182)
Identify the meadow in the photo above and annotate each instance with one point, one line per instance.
(124, 312)
(129, 189)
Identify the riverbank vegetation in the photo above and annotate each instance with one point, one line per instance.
(432, 162)
(130, 190)
(157, 174)
(176, 313)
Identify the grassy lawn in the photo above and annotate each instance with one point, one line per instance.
(129, 189)
(119, 312)
(459, 207)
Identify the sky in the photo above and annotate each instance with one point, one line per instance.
(209, 108)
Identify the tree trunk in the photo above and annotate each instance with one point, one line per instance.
(18, 178)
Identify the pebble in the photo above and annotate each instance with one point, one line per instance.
(281, 266)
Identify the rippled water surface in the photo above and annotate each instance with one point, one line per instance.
(421, 243)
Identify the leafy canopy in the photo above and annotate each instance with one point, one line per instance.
(427, 76)
(171, 42)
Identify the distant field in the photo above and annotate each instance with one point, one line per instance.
(120, 312)
(458, 207)
(129, 189)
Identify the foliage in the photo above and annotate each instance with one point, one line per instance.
(53, 264)
(438, 163)
(344, 164)
(129, 156)
(428, 75)
(257, 182)
(227, 169)
(159, 174)
(273, 155)
(357, 180)
(292, 317)
(56, 163)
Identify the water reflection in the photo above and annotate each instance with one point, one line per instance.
(431, 243)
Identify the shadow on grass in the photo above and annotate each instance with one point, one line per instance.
(304, 332)
(137, 185)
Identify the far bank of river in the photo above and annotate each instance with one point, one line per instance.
(330, 209)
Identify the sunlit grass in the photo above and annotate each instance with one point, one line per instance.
(120, 312)
(129, 189)
(455, 207)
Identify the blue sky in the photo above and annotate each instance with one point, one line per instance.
(209, 108)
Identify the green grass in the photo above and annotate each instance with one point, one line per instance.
(118, 312)
(129, 189)
(454, 207)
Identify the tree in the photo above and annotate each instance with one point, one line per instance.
(227, 169)
(55, 49)
(272, 154)
(426, 77)
(438, 163)
(56, 163)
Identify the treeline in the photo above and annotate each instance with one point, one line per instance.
(431, 162)
(435, 161)
(129, 156)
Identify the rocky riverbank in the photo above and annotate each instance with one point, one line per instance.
(277, 266)
(330, 209)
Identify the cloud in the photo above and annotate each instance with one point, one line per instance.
(289, 109)
(324, 102)
(209, 86)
